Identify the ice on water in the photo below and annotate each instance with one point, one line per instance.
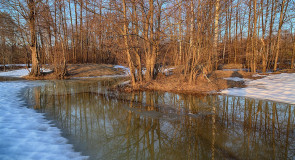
(276, 87)
(26, 134)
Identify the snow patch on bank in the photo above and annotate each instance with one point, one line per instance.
(16, 73)
(278, 87)
(12, 65)
(237, 79)
(126, 69)
(26, 134)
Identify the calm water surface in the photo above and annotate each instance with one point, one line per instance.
(154, 125)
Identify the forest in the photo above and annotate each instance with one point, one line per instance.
(194, 35)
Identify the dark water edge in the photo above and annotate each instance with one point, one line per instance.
(107, 124)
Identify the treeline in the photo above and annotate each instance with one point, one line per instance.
(196, 35)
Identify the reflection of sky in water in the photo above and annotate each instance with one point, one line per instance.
(155, 125)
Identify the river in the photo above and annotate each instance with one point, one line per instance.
(107, 124)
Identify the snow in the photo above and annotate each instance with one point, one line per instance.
(21, 72)
(26, 134)
(15, 73)
(276, 87)
(237, 79)
(17, 65)
(126, 69)
(46, 70)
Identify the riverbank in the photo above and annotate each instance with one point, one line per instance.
(82, 71)
(232, 79)
(204, 84)
(73, 71)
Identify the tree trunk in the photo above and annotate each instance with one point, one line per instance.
(35, 71)
(81, 31)
(136, 32)
(272, 19)
(126, 45)
(264, 24)
(293, 53)
(254, 39)
(282, 15)
(215, 40)
(151, 54)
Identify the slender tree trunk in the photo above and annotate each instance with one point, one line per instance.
(216, 30)
(264, 23)
(87, 33)
(136, 32)
(272, 19)
(293, 53)
(35, 71)
(282, 15)
(81, 31)
(126, 44)
(248, 58)
(191, 43)
(179, 59)
(73, 34)
(189, 64)
(236, 34)
(76, 32)
(254, 39)
(151, 53)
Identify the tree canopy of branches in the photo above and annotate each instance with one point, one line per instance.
(193, 34)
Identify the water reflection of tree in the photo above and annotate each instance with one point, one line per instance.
(156, 125)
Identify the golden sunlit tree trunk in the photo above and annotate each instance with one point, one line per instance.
(135, 31)
(151, 53)
(284, 7)
(264, 19)
(189, 66)
(126, 45)
(254, 39)
(216, 30)
(33, 46)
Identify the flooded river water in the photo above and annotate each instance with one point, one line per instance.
(104, 124)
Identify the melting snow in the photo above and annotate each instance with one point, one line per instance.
(16, 73)
(278, 87)
(237, 79)
(126, 69)
(26, 134)
(11, 65)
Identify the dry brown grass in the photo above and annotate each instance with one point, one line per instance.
(92, 70)
(231, 66)
(80, 70)
(177, 84)
(225, 74)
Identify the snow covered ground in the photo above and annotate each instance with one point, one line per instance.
(276, 87)
(26, 134)
(11, 65)
(15, 73)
